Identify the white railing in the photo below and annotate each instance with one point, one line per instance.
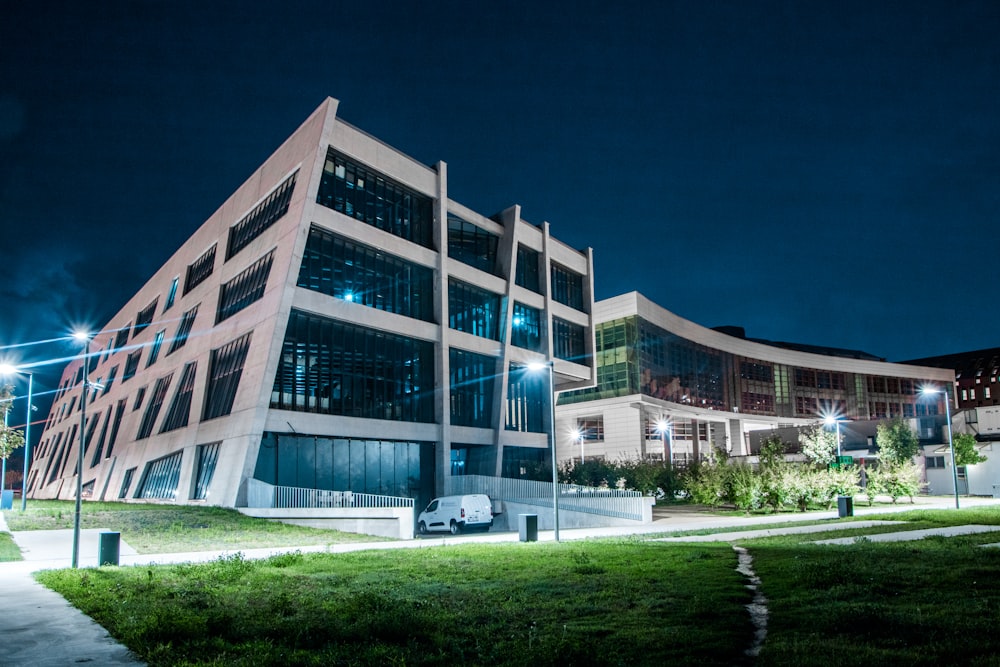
(588, 499)
(262, 494)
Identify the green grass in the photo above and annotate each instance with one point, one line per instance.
(150, 528)
(623, 602)
(8, 549)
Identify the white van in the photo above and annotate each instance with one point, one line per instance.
(456, 513)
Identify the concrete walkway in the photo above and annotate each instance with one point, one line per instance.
(908, 535)
(39, 628)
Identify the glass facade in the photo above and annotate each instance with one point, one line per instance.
(636, 357)
(527, 401)
(383, 467)
(337, 368)
(472, 245)
(567, 287)
(526, 463)
(526, 327)
(473, 310)
(348, 270)
(567, 341)
(526, 274)
(375, 199)
(471, 381)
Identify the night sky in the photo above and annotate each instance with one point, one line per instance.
(818, 172)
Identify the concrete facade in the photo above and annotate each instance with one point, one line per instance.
(120, 461)
(706, 409)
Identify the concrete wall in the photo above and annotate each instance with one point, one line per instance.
(394, 522)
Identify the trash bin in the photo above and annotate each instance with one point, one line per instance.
(527, 526)
(845, 506)
(7, 499)
(109, 548)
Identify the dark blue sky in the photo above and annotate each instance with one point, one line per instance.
(818, 172)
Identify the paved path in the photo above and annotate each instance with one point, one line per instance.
(40, 629)
(906, 535)
(737, 535)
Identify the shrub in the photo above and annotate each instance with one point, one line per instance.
(705, 483)
(894, 479)
(743, 486)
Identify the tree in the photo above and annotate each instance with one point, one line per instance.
(10, 439)
(897, 442)
(819, 445)
(966, 453)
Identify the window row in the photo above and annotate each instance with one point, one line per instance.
(265, 214)
(351, 271)
(160, 478)
(371, 197)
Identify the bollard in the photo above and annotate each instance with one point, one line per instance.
(527, 526)
(109, 548)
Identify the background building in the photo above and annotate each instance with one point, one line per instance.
(338, 323)
(667, 384)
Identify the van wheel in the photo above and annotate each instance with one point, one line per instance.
(455, 530)
(422, 528)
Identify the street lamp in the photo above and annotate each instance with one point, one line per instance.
(926, 391)
(6, 369)
(663, 428)
(828, 420)
(537, 366)
(84, 337)
(578, 436)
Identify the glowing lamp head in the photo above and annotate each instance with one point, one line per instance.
(662, 425)
(81, 336)
(536, 366)
(7, 369)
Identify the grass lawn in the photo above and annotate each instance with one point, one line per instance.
(150, 528)
(622, 602)
(8, 550)
(928, 602)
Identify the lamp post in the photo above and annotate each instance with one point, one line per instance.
(578, 436)
(927, 390)
(830, 419)
(85, 337)
(663, 426)
(535, 366)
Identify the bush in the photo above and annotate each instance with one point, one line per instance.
(705, 483)
(651, 478)
(894, 479)
(744, 488)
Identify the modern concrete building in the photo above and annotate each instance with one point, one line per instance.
(339, 323)
(669, 387)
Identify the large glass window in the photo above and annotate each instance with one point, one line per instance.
(121, 337)
(526, 274)
(472, 245)
(160, 478)
(208, 455)
(131, 364)
(527, 399)
(364, 194)
(144, 318)
(567, 287)
(244, 289)
(473, 310)
(354, 272)
(171, 294)
(101, 439)
(225, 369)
(126, 483)
(180, 407)
(567, 341)
(617, 363)
(526, 327)
(183, 330)
(154, 349)
(383, 467)
(337, 368)
(472, 379)
(261, 217)
(153, 407)
(199, 270)
(113, 437)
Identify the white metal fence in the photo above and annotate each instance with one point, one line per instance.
(262, 494)
(588, 499)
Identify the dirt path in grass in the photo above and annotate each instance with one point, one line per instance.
(757, 607)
